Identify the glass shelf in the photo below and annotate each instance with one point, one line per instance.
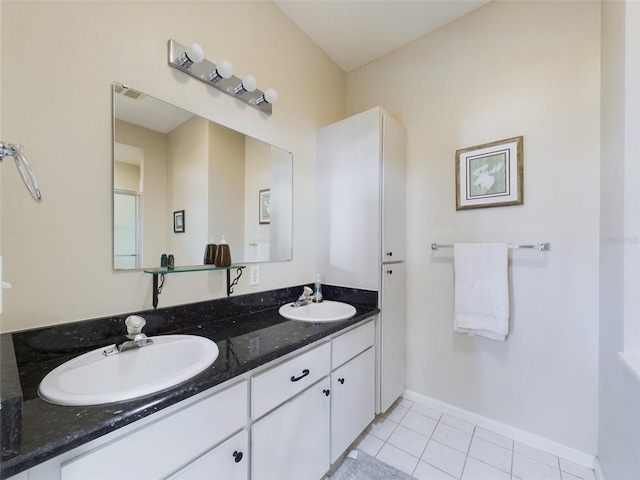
(189, 268)
(162, 271)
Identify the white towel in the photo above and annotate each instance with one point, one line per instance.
(481, 289)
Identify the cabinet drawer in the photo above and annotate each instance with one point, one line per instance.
(347, 346)
(228, 461)
(269, 389)
(160, 448)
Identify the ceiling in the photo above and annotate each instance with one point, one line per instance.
(140, 109)
(355, 32)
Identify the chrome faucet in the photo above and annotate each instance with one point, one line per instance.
(137, 339)
(304, 298)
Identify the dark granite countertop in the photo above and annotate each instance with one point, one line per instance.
(48, 430)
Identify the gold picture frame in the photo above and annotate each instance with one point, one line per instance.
(490, 175)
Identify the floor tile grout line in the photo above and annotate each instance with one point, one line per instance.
(468, 450)
(425, 448)
(510, 472)
(432, 466)
(493, 466)
(511, 448)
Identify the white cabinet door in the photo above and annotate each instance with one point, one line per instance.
(352, 401)
(348, 196)
(392, 351)
(292, 442)
(393, 190)
(228, 461)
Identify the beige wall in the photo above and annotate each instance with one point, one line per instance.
(188, 190)
(59, 60)
(126, 176)
(226, 192)
(258, 164)
(154, 184)
(506, 69)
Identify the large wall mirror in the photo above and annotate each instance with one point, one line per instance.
(181, 181)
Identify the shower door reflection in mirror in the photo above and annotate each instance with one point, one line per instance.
(169, 160)
(126, 228)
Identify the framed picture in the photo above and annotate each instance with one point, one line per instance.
(178, 221)
(264, 206)
(490, 175)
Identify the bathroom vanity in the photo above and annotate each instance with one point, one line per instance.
(284, 398)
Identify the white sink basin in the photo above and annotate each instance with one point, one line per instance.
(94, 379)
(327, 311)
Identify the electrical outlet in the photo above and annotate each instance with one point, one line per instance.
(254, 275)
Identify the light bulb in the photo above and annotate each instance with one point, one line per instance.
(193, 54)
(224, 69)
(269, 96)
(249, 83)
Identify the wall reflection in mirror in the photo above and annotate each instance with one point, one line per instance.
(167, 160)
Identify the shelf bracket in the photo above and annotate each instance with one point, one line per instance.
(157, 290)
(231, 284)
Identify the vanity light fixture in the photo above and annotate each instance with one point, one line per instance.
(190, 60)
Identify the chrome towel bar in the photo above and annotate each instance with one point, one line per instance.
(541, 247)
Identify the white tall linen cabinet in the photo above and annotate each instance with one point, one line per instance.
(360, 229)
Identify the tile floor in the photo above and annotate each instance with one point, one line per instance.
(429, 445)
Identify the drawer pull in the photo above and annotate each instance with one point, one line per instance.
(237, 456)
(305, 372)
(326, 392)
(341, 380)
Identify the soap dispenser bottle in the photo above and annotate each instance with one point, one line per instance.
(210, 252)
(317, 290)
(223, 255)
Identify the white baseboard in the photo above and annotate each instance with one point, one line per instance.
(549, 446)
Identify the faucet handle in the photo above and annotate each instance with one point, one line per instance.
(134, 324)
(307, 291)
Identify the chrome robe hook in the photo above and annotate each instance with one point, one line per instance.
(29, 179)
